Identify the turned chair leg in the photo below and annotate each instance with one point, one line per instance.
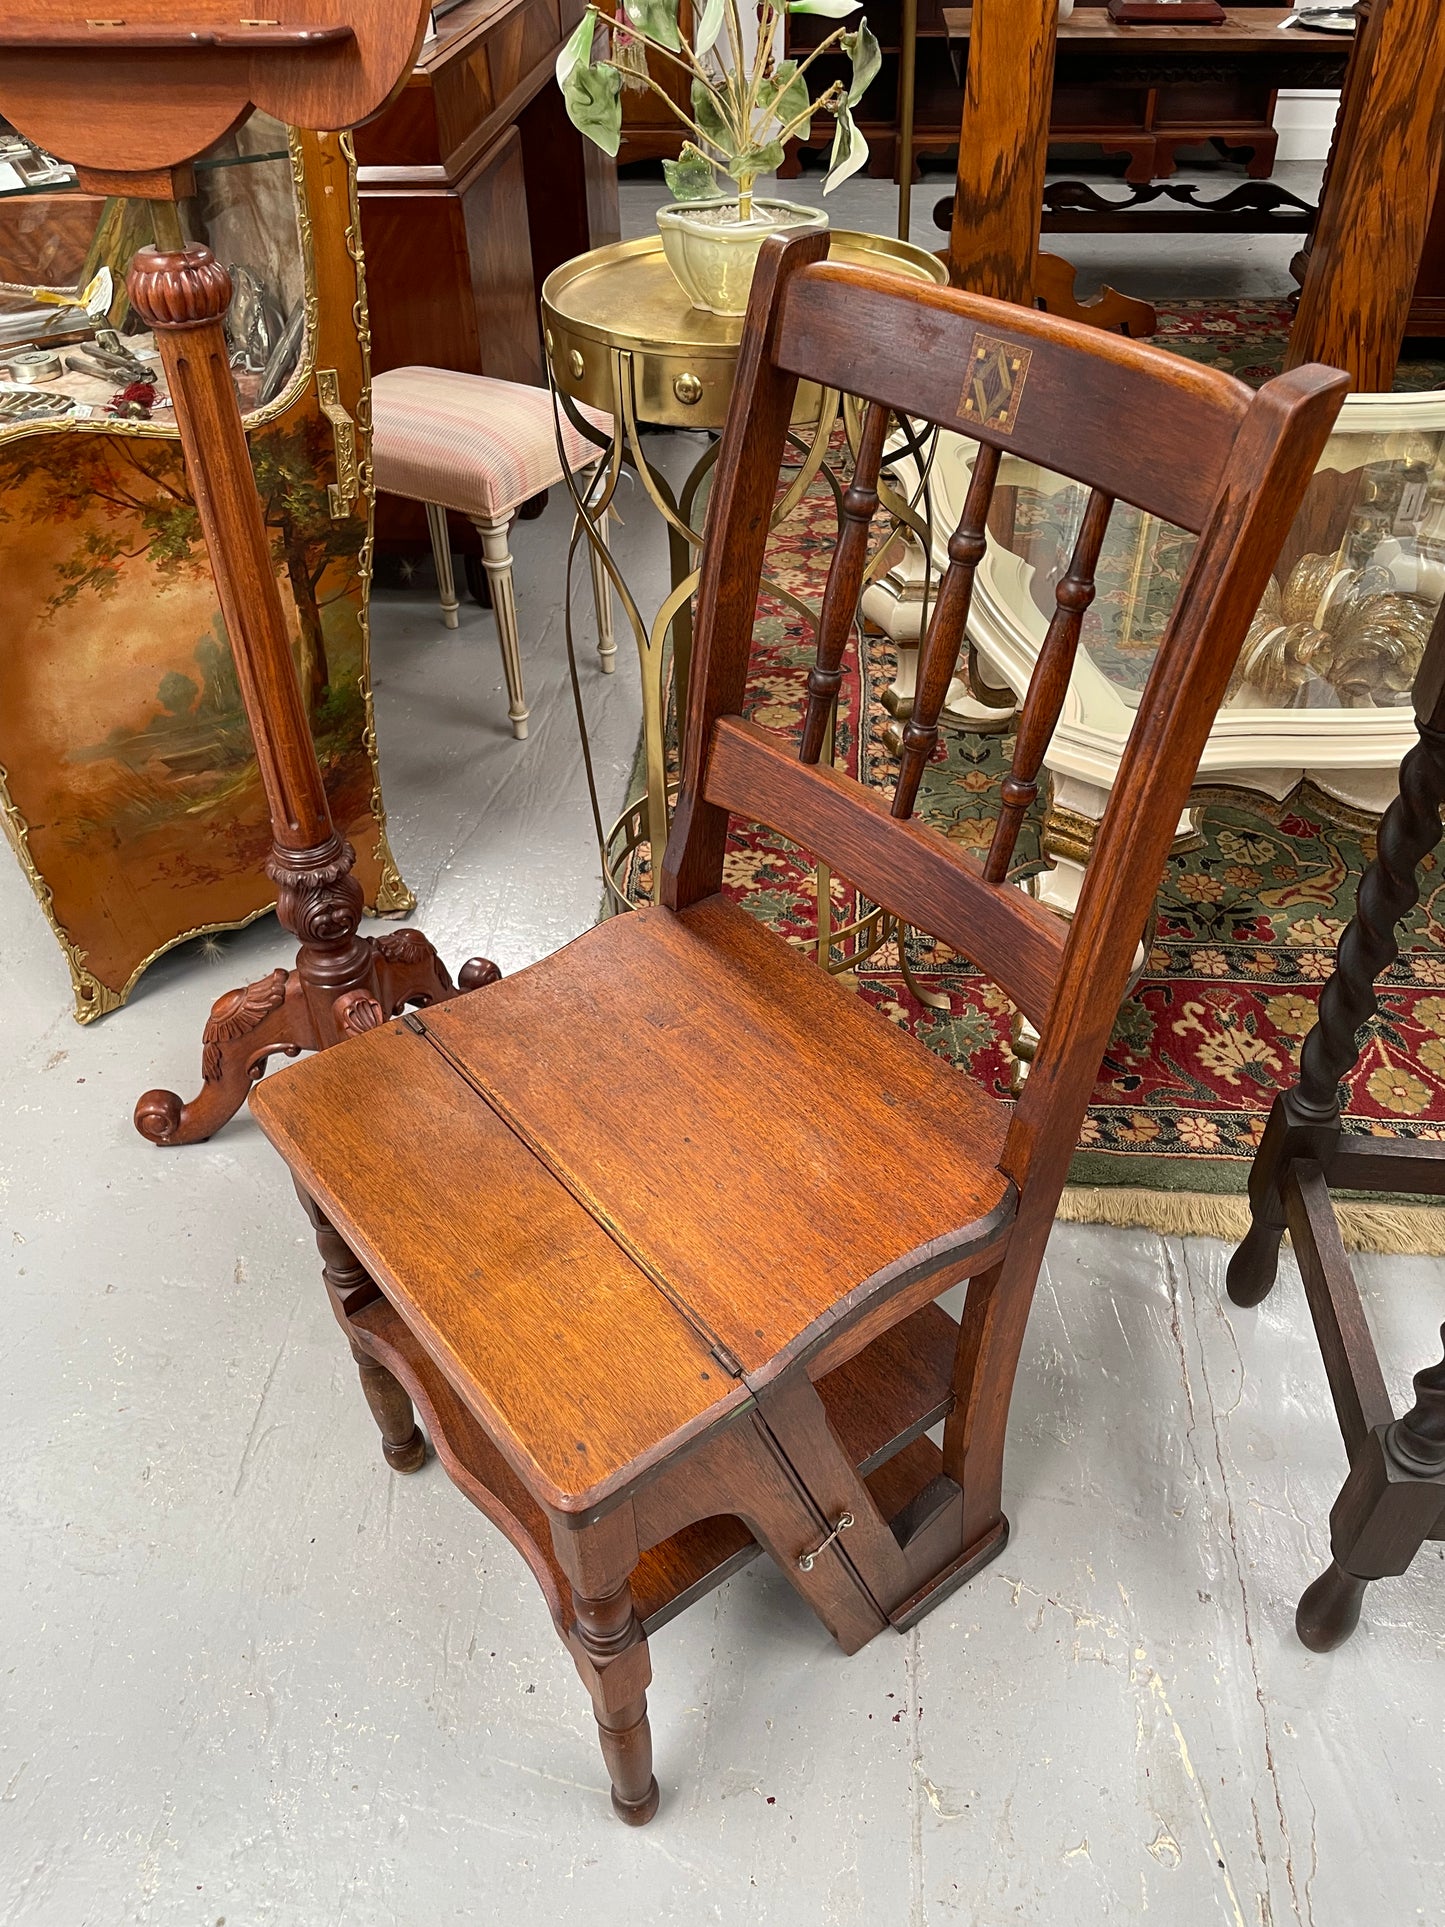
(497, 561)
(349, 1285)
(402, 1443)
(609, 1650)
(1329, 1610)
(1392, 1502)
(1250, 1275)
(602, 601)
(441, 548)
(610, 1633)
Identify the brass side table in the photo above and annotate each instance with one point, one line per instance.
(622, 337)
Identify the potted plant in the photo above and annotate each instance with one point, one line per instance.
(742, 109)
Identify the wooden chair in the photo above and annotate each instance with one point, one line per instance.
(482, 447)
(615, 1225)
(1394, 1497)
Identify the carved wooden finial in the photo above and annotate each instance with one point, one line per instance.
(182, 290)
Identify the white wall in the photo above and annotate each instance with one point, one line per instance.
(1305, 122)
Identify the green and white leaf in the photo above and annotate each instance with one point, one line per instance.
(709, 27)
(657, 19)
(753, 161)
(593, 97)
(867, 57)
(577, 48)
(691, 177)
(707, 111)
(850, 150)
(782, 93)
(830, 9)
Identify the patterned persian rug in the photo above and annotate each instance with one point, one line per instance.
(1247, 338)
(1246, 924)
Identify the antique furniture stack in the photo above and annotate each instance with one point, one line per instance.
(671, 1326)
(131, 102)
(1394, 1497)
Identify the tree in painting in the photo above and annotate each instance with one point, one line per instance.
(148, 512)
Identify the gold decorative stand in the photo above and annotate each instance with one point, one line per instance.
(621, 336)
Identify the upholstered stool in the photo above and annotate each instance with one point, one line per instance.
(481, 447)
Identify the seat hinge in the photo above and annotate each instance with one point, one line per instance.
(729, 1360)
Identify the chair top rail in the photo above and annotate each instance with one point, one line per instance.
(1011, 378)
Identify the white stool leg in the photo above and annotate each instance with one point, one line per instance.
(497, 561)
(441, 548)
(602, 600)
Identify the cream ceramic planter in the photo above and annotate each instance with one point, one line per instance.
(713, 254)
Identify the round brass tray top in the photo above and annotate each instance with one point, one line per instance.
(626, 297)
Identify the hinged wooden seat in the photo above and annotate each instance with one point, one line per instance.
(652, 1232)
(624, 1229)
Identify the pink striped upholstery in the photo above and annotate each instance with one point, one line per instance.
(468, 442)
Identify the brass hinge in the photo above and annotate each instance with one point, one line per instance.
(341, 493)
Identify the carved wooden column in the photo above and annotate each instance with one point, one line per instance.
(342, 982)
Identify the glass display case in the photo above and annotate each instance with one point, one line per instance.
(128, 779)
(1323, 682)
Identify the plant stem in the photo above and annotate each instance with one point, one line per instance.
(745, 198)
(824, 104)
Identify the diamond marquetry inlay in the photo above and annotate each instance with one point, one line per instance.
(997, 371)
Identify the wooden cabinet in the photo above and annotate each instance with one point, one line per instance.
(474, 186)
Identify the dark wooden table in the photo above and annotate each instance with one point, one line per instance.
(1193, 84)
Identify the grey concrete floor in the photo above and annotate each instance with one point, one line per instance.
(251, 1676)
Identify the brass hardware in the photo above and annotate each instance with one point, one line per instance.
(575, 363)
(805, 1561)
(687, 388)
(344, 490)
(550, 343)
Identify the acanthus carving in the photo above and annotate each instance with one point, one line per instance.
(236, 1014)
(405, 947)
(317, 896)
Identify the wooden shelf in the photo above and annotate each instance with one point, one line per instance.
(880, 1403)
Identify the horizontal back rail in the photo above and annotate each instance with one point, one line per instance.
(905, 866)
(1014, 384)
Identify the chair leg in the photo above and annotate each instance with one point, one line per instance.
(348, 1283)
(1391, 1503)
(402, 1444)
(602, 601)
(441, 548)
(497, 561)
(609, 1631)
(1329, 1610)
(609, 1649)
(991, 1336)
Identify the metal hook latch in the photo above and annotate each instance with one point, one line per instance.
(805, 1561)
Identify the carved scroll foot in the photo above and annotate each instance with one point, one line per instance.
(244, 1029)
(279, 1016)
(409, 971)
(1329, 1610)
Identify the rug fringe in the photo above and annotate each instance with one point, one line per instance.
(1394, 1230)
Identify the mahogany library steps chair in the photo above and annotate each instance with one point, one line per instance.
(606, 1223)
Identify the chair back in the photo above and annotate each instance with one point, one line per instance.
(1132, 424)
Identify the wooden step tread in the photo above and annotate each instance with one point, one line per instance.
(879, 1403)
